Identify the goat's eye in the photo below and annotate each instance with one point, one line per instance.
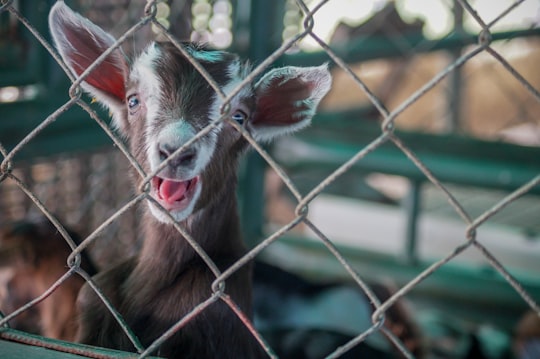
(133, 104)
(239, 116)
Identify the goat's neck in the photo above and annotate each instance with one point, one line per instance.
(216, 228)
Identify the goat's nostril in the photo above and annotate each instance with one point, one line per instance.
(165, 151)
(163, 155)
(185, 158)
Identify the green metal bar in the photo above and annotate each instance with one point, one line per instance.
(412, 205)
(24, 61)
(16, 344)
(371, 48)
(452, 158)
(72, 132)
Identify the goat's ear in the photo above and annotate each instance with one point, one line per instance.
(287, 99)
(80, 43)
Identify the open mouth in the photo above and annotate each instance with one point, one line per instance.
(174, 195)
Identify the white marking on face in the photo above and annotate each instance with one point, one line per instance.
(206, 151)
(175, 135)
(149, 90)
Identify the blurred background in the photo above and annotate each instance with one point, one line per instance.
(477, 130)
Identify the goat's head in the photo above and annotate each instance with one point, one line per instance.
(159, 101)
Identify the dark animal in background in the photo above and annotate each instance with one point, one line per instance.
(526, 341)
(159, 101)
(303, 319)
(33, 255)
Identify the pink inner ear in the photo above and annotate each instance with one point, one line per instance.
(283, 102)
(108, 76)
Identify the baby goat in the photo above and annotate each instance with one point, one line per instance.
(159, 101)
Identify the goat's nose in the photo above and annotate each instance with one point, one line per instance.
(184, 159)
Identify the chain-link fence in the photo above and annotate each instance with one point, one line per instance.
(86, 193)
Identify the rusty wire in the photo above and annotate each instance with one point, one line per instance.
(303, 201)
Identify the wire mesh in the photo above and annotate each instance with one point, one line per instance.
(107, 220)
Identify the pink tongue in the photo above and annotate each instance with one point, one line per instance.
(172, 191)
